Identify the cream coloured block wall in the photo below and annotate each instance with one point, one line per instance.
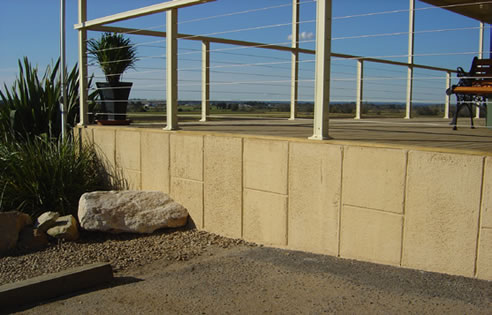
(265, 165)
(84, 135)
(371, 235)
(128, 157)
(374, 178)
(265, 217)
(314, 197)
(223, 187)
(442, 212)
(186, 166)
(484, 261)
(155, 161)
(402, 206)
(105, 143)
(265, 169)
(189, 193)
(187, 156)
(487, 195)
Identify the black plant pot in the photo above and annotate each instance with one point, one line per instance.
(114, 99)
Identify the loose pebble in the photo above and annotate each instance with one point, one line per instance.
(123, 251)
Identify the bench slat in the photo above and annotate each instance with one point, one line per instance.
(480, 90)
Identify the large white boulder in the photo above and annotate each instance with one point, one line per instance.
(130, 211)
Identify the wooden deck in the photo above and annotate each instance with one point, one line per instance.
(427, 132)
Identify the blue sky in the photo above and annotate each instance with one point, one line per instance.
(31, 28)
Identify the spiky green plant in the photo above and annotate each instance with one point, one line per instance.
(38, 175)
(31, 107)
(114, 53)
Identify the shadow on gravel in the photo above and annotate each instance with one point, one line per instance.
(383, 277)
(116, 282)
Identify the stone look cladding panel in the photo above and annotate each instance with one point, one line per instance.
(265, 171)
(187, 156)
(442, 212)
(487, 194)
(223, 185)
(366, 180)
(155, 161)
(85, 135)
(314, 197)
(484, 261)
(128, 157)
(189, 193)
(187, 174)
(105, 142)
(370, 235)
(265, 217)
(265, 165)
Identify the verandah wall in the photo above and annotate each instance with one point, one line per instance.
(402, 206)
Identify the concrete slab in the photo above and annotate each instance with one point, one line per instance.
(420, 132)
(53, 285)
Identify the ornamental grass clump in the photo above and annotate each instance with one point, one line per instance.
(31, 107)
(38, 175)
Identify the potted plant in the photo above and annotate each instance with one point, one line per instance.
(115, 54)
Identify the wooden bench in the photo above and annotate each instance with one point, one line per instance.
(473, 88)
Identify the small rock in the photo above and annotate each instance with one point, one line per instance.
(30, 238)
(130, 211)
(11, 223)
(47, 220)
(65, 228)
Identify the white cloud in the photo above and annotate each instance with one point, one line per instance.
(303, 36)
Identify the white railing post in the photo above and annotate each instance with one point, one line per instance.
(447, 99)
(205, 80)
(360, 88)
(411, 36)
(322, 75)
(295, 60)
(83, 82)
(480, 56)
(63, 72)
(172, 69)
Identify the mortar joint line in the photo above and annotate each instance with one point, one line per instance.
(480, 212)
(405, 191)
(203, 182)
(242, 187)
(288, 196)
(342, 153)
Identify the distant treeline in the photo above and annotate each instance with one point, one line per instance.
(302, 107)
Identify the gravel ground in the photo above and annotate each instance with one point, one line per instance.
(123, 251)
(186, 271)
(261, 280)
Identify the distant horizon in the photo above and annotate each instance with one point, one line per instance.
(281, 102)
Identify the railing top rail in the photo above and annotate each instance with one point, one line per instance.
(151, 9)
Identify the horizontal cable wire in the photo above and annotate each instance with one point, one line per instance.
(249, 64)
(249, 82)
(254, 74)
(244, 12)
(254, 28)
(403, 33)
(255, 46)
